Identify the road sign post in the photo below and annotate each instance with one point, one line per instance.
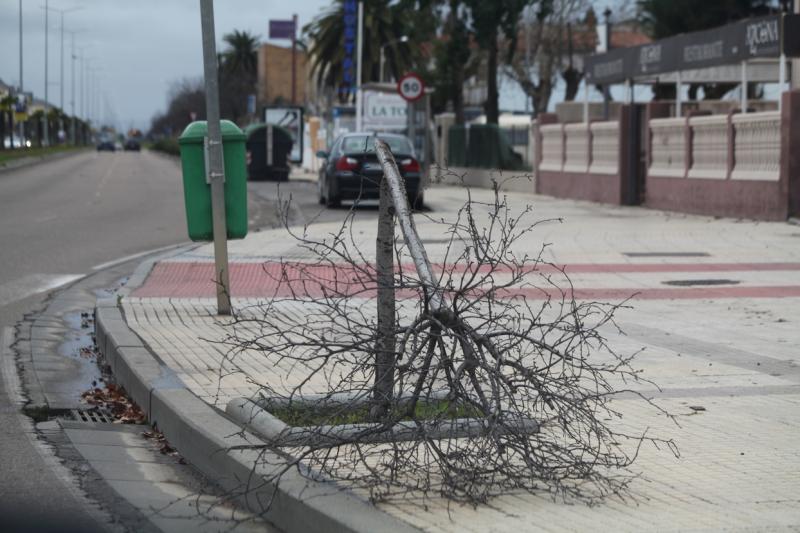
(215, 171)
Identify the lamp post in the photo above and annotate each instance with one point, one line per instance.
(403, 39)
(46, 140)
(606, 89)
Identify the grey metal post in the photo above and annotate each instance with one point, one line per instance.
(384, 260)
(795, 82)
(678, 94)
(46, 81)
(61, 83)
(21, 88)
(781, 79)
(428, 148)
(585, 102)
(743, 101)
(359, 51)
(606, 88)
(72, 91)
(215, 169)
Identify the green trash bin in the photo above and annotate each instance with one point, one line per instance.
(197, 192)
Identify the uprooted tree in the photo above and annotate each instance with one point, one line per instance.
(484, 376)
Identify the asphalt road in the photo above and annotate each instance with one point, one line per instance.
(66, 219)
(59, 221)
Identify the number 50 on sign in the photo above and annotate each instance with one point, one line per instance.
(411, 87)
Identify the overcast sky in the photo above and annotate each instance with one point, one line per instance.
(140, 47)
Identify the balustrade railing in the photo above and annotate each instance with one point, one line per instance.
(757, 146)
(576, 146)
(605, 147)
(709, 147)
(668, 147)
(552, 147)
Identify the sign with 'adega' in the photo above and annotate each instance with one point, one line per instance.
(384, 111)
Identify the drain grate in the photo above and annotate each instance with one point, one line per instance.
(97, 416)
(666, 254)
(695, 282)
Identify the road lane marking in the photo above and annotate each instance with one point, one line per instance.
(21, 288)
(125, 259)
(105, 177)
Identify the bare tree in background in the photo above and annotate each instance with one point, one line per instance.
(548, 50)
(496, 378)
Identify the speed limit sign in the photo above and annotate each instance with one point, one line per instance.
(411, 87)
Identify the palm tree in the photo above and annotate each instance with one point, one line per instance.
(385, 22)
(238, 73)
(242, 52)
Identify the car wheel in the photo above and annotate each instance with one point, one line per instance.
(330, 199)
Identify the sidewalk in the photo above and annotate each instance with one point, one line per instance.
(714, 305)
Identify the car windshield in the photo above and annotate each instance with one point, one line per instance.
(365, 143)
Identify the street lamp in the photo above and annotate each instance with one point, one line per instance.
(403, 39)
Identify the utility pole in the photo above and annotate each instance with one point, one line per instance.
(21, 88)
(359, 119)
(215, 170)
(294, 59)
(606, 88)
(46, 81)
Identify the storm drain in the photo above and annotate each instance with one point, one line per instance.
(666, 254)
(95, 416)
(704, 282)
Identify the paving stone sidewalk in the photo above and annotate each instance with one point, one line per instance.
(715, 307)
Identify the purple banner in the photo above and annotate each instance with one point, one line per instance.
(281, 29)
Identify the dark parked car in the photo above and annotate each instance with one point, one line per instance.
(132, 145)
(352, 171)
(106, 145)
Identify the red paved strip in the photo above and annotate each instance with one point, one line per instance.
(630, 268)
(192, 280)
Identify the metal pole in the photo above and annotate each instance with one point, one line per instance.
(678, 95)
(606, 88)
(46, 81)
(380, 73)
(215, 169)
(61, 83)
(21, 89)
(743, 102)
(428, 143)
(585, 102)
(72, 91)
(359, 118)
(781, 79)
(795, 83)
(294, 55)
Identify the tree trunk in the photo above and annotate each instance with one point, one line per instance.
(492, 104)
(458, 97)
(3, 131)
(572, 78)
(385, 342)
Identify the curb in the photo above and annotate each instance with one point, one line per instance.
(23, 162)
(218, 447)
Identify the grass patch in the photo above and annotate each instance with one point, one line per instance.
(19, 153)
(304, 414)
